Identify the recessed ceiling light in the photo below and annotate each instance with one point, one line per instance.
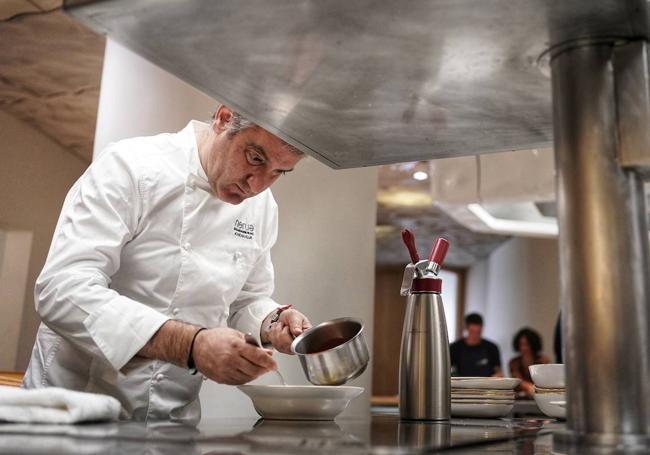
(420, 175)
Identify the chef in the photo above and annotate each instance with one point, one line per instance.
(160, 264)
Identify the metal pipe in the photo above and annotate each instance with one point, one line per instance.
(603, 255)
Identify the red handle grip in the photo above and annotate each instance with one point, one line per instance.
(409, 241)
(439, 251)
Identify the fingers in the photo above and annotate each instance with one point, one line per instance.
(259, 357)
(296, 321)
(224, 356)
(249, 370)
(240, 371)
(281, 338)
(236, 377)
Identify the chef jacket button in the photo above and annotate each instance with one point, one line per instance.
(187, 247)
(237, 256)
(175, 311)
(191, 183)
(159, 377)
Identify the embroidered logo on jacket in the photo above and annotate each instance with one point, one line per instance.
(244, 230)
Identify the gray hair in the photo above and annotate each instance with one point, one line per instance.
(239, 123)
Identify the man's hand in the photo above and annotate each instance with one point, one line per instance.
(223, 355)
(290, 324)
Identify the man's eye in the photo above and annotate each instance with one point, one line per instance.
(254, 158)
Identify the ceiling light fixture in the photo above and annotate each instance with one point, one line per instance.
(514, 227)
(420, 175)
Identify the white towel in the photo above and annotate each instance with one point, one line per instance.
(55, 405)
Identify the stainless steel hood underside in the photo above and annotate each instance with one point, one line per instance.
(357, 82)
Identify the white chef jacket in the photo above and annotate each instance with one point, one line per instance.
(142, 239)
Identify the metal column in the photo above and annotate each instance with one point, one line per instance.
(605, 277)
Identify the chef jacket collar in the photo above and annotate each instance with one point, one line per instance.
(195, 168)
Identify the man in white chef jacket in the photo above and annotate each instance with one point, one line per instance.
(160, 263)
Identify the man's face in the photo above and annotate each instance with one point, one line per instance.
(474, 333)
(244, 165)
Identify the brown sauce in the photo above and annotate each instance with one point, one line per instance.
(327, 345)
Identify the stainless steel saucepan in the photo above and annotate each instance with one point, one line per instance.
(333, 352)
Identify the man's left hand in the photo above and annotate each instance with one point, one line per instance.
(290, 324)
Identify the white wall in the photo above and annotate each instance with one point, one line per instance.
(324, 257)
(139, 99)
(476, 287)
(35, 175)
(450, 300)
(516, 286)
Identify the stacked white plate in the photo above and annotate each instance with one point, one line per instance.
(551, 402)
(482, 397)
(550, 392)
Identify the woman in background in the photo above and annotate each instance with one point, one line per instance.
(528, 344)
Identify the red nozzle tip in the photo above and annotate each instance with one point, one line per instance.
(439, 251)
(409, 241)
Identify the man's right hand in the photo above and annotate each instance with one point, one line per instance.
(223, 355)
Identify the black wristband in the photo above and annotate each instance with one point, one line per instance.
(190, 358)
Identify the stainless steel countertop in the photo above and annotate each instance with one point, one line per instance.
(380, 433)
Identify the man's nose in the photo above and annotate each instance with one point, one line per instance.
(258, 182)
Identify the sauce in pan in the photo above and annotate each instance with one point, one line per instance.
(327, 345)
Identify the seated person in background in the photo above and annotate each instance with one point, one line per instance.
(528, 344)
(473, 355)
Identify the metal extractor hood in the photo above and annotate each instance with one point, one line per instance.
(359, 83)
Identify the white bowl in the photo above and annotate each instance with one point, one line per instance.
(548, 376)
(547, 403)
(300, 402)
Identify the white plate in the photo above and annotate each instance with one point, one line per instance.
(481, 391)
(480, 410)
(506, 395)
(483, 400)
(484, 383)
(300, 402)
(474, 401)
(547, 404)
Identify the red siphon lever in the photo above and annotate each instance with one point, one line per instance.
(437, 256)
(409, 241)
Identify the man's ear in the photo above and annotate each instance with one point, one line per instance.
(221, 118)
